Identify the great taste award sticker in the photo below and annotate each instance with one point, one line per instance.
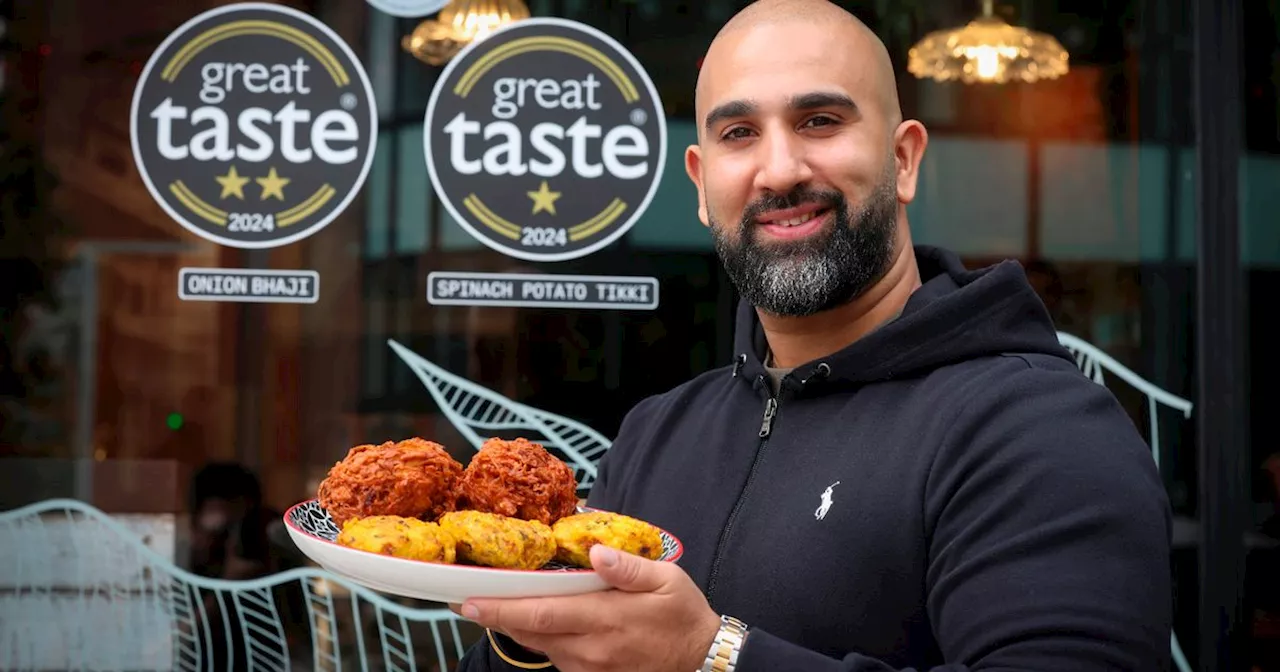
(546, 140)
(253, 125)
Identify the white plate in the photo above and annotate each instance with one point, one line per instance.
(315, 533)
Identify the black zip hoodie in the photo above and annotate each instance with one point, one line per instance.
(947, 493)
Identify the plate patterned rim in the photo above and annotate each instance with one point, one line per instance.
(311, 520)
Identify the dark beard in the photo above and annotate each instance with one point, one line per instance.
(818, 273)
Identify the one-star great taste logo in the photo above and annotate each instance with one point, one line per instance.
(546, 140)
(253, 125)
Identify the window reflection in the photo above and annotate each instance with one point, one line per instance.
(1089, 180)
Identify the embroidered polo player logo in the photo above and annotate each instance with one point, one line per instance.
(826, 502)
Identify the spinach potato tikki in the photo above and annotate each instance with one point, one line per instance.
(400, 537)
(576, 534)
(499, 541)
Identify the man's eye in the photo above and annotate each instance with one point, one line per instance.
(819, 121)
(736, 133)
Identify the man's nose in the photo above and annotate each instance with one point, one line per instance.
(783, 163)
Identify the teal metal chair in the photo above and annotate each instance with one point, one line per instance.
(115, 604)
(479, 413)
(1100, 367)
(112, 603)
(79, 590)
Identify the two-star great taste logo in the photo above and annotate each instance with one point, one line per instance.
(546, 140)
(253, 125)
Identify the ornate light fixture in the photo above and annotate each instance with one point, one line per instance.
(460, 23)
(987, 50)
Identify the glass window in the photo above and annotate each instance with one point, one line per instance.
(377, 229)
(1088, 180)
(1260, 257)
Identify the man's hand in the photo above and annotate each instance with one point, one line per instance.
(655, 621)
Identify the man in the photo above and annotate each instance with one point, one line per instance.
(229, 523)
(902, 469)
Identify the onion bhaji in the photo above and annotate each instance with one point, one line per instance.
(401, 537)
(518, 479)
(413, 478)
(576, 534)
(498, 541)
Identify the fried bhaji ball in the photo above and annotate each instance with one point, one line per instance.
(497, 541)
(413, 478)
(576, 534)
(518, 479)
(407, 538)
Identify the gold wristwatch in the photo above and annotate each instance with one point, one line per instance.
(723, 655)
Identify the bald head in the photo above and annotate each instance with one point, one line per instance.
(762, 26)
(803, 165)
(770, 11)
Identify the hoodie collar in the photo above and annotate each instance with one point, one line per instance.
(956, 314)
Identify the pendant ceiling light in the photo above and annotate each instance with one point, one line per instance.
(460, 23)
(987, 50)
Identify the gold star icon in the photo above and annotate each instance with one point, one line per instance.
(272, 185)
(544, 199)
(232, 184)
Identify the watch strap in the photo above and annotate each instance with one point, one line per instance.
(724, 651)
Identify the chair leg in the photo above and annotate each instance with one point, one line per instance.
(1179, 659)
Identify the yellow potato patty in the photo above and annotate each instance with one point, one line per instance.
(498, 541)
(400, 537)
(576, 534)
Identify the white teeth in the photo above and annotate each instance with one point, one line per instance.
(794, 221)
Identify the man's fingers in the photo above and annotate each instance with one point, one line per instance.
(537, 615)
(625, 571)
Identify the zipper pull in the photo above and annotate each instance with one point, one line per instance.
(770, 408)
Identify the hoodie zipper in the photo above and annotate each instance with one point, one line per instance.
(766, 428)
(770, 410)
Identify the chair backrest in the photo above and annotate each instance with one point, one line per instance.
(479, 413)
(112, 603)
(1098, 365)
(78, 590)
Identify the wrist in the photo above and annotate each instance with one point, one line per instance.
(723, 654)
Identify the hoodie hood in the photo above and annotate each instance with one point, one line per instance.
(955, 315)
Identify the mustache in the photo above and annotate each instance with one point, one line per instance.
(800, 195)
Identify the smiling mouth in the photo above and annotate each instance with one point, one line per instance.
(800, 219)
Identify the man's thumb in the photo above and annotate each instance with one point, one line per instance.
(625, 571)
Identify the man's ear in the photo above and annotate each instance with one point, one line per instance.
(693, 166)
(909, 143)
